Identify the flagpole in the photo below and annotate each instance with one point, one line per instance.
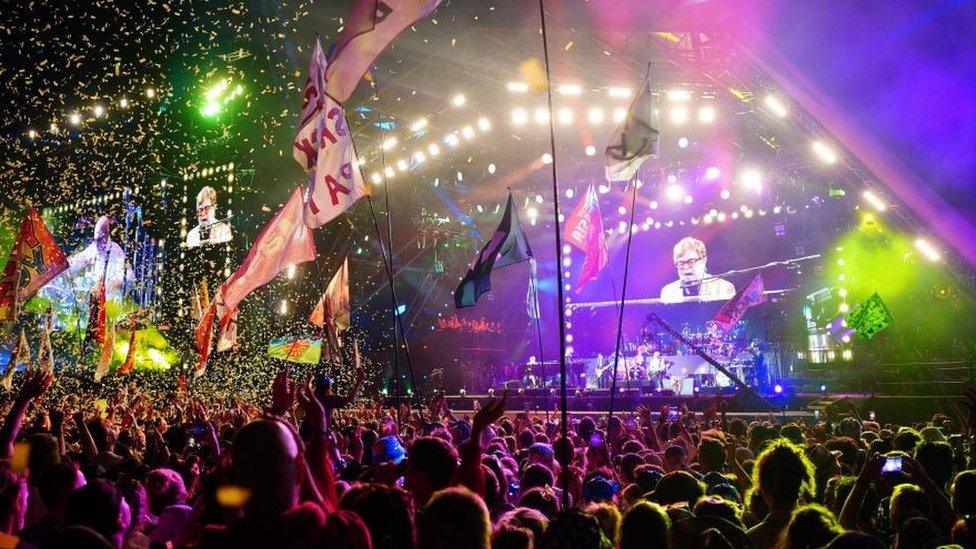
(537, 309)
(623, 300)
(564, 459)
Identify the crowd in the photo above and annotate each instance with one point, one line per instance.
(316, 469)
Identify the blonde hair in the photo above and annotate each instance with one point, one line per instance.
(687, 244)
(205, 193)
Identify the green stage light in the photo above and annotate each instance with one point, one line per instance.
(219, 96)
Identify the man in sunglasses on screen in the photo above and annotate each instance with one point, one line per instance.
(694, 283)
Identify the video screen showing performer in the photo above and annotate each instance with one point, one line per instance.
(102, 257)
(209, 230)
(694, 282)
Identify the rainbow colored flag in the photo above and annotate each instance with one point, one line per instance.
(302, 350)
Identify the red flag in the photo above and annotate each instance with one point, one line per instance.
(95, 331)
(34, 261)
(282, 241)
(130, 356)
(748, 297)
(584, 229)
(369, 29)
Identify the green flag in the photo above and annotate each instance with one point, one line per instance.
(870, 317)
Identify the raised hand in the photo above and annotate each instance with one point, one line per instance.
(314, 411)
(491, 412)
(282, 392)
(35, 385)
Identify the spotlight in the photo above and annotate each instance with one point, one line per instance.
(433, 149)
(402, 165)
(752, 179)
(389, 143)
(283, 307)
(775, 106)
(150, 93)
(712, 173)
(706, 114)
(418, 125)
(388, 172)
(875, 201)
(547, 158)
(459, 100)
(927, 249)
(31, 134)
(823, 388)
(419, 157)
(376, 178)
(824, 152)
(847, 354)
(124, 103)
(679, 95)
(678, 115)
(778, 389)
(541, 115)
(467, 132)
(619, 114)
(689, 199)
(683, 142)
(518, 87)
(595, 115)
(99, 111)
(484, 124)
(675, 193)
(622, 210)
(75, 119)
(519, 116)
(590, 150)
(619, 92)
(565, 116)
(54, 127)
(452, 139)
(569, 194)
(570, 89)
(491, 168)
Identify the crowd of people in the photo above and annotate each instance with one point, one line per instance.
(312, 468)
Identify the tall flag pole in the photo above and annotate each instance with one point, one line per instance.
(564, 459)
(535, 313)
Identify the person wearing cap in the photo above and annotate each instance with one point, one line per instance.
(388, 450)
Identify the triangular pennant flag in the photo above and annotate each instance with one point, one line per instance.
(203, 337)
(45, 354)
(335, 300)
(507, 246)
(636, 139)
(35, 260)
(584, 230)
(105, 357)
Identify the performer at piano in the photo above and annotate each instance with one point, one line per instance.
(694, 282)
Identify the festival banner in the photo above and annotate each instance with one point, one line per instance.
(507, 246)
(870, 317)
(733, 310)
(305, 147)
(636, 138)
(105, 358)
(35, 260)
(20, 355)
(95, 330)
(282, 241)
(369, 29)
(333, 306)
(45, 353)
(301, 350)
(336, 182)
(584, 230)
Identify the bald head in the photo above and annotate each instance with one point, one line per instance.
(265, 456)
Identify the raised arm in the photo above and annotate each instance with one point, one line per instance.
(35, 385)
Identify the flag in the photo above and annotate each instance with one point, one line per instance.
(870, 317)
(635, 139)
(301, 350)
(95, 330)
(304, 148)
(532, 292)
(130, 354)
(199, 300)
(105, 358)
(20, 355)
(34, 260)
(509, 245)
(584, 230)
(732, 310)
(333, 307)
(336, 182)
(370, 27)
(45, 354)
(282, 241)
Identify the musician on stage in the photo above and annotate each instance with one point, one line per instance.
(694, 282)
(208, 230)
(103, 257)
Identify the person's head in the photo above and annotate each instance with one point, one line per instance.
(43, 454)
(100, 506)
(855, 540)
(13, 501)
(645, 524)
(572, 528)
(628, 463)
(164, 487)
(711, 455)
(675, 458)
(908, 501)
(431, 463)
(387, 512)
(265, 461)
(454, 517)
(206, 205)
(103, 434)
(917, 532)
(536, 476)
(56, 484)
(599, 487)
(906, 440)
(542, 454)
(344, 529)
(102, 236)
(530, 519)
(793, 433)
(784, 475)
(811, 526)
(388, 449)
(937, 460)
(849, 427)
(964, 493)
(609, 518)
(678, 487)
(541, 499)
(715, 506)
(690, 259)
